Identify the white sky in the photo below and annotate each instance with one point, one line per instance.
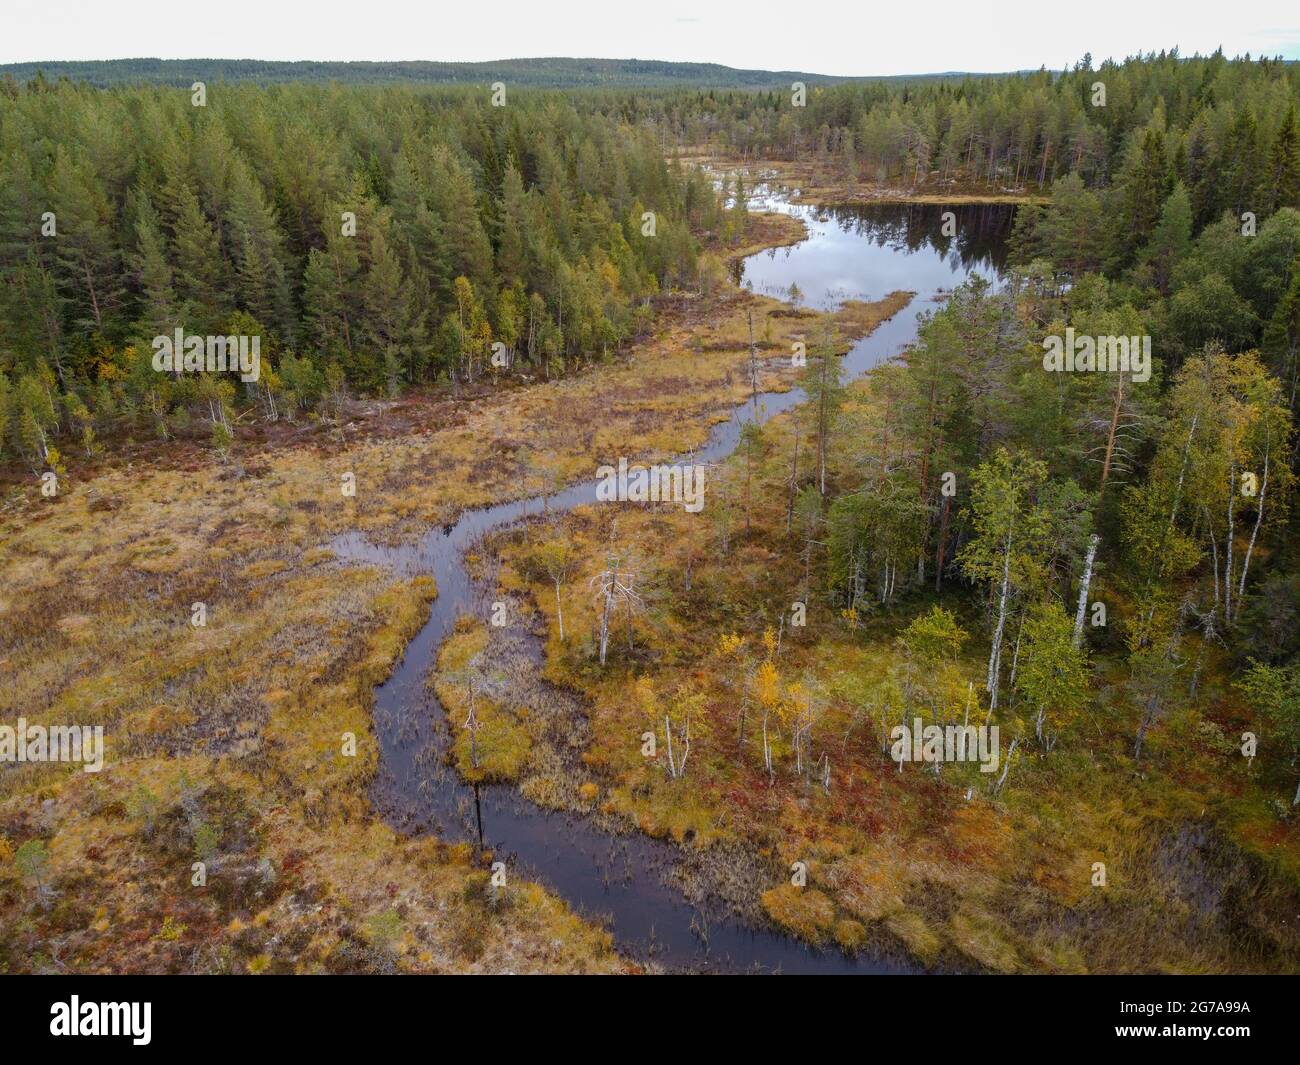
(819, 36)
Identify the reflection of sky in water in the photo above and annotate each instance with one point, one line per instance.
(624, 877)
(867, 252)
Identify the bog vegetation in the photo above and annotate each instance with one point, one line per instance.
(1102, 565)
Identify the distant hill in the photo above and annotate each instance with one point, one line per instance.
(559, 73)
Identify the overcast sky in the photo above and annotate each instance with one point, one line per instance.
(820, 36)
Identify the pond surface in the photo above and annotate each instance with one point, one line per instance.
(863, 253)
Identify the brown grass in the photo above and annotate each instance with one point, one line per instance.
(228, 738)
(997, 883)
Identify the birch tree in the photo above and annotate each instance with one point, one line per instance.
(557, 560)
(1052, 671)
(681, 716)
(1274, 693)
(1009, 533)
(1216, 480)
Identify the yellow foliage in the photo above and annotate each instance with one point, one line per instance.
(767, 685)
(729, 644)
(806, 912)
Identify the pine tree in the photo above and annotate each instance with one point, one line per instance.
(89, 262)
(1240, 165)
(198, 272)
(330, 297)
(823, 383)
(159, 312)
(471, 251)
(512, 261)
(1144, 191)
(1171, 238)
(420, 232)
(1282, 338)
(389, 324)
(258, 250)
(1284, 164)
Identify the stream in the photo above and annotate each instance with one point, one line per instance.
(622, 879)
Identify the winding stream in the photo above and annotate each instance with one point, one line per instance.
(860, 253)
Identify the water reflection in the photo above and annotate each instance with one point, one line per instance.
(629, 880)
(864, 253)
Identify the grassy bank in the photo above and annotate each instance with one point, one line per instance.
(245, 743)
(1197, 877)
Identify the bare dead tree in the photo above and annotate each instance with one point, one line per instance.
(615, 587)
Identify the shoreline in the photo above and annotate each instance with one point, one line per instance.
(803, 183)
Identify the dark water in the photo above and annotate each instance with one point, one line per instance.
(621, 878)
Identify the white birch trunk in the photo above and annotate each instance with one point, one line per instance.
(995, 652)
(1084, 584)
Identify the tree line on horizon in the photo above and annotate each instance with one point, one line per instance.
(1227, 125)
(522, 225)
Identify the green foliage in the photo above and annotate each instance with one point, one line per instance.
(1010, 528)
(32, 860)
(1274, 691)
(384, 930)
(934, 636)
(1051, 673)
(206, 839)
(281, 216)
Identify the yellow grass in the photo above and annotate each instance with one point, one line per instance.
(256, 708)
(1002, 884)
